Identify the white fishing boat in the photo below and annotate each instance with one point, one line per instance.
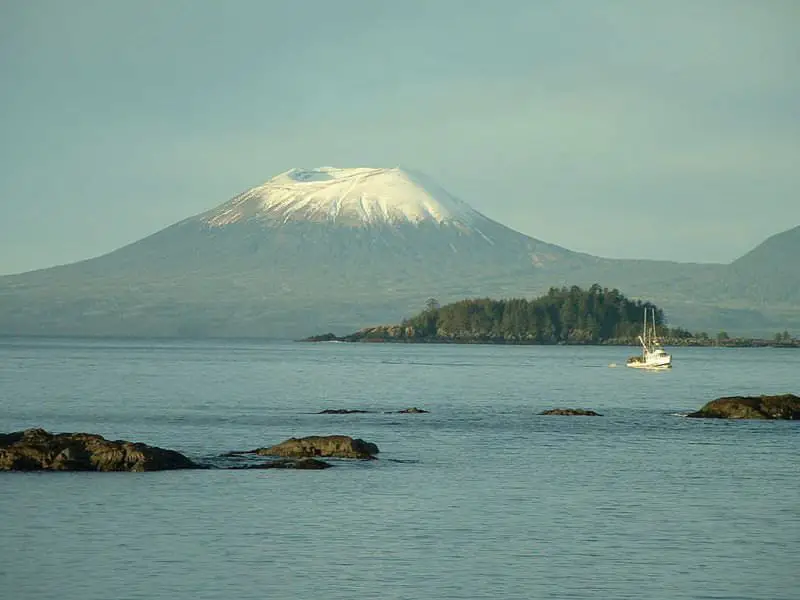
(653, 355)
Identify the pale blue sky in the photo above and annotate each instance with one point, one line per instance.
(630, 128)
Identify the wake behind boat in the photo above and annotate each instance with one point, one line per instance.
(653, 355)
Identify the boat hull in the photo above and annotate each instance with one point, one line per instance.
(651, 367)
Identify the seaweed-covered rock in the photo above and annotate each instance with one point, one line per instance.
(785, 406)
(339, 446)
(413, 411)
(39, 450)
(342, 411)
(571, 412)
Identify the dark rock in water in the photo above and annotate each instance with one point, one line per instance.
(290, 463)
(572, 412)
(339, 446)
(38, 450)
(785, 406)
(324, 337)
(341, 411)
(413, 410)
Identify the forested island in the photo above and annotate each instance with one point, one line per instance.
(566, 315)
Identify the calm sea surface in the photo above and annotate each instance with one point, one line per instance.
(480, 498)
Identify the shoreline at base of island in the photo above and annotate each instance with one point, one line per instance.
(384, 334)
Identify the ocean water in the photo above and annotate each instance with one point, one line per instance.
(480, 498)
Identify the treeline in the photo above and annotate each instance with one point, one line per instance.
(563, 315)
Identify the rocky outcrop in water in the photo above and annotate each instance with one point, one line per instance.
(323, 337)
(378, 333)
(412, 411)
(289, 463)
(39, 450)
(571, 412)
(338, 446)
(785, 406)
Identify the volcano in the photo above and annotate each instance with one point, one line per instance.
(332, 249)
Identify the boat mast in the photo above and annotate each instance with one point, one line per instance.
(643, 337)
(655, 338)
(644, 327)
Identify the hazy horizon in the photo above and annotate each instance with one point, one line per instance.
(626, 130)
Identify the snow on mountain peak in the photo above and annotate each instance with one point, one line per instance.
(353, 197)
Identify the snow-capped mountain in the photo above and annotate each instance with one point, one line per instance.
(309, 249)
(359, 197)
(346, 217)
(332, 249)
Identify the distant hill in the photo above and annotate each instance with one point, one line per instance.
(770, 273)
(338, 249)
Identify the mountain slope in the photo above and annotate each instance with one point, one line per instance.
(770, 273)
(337, 249)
